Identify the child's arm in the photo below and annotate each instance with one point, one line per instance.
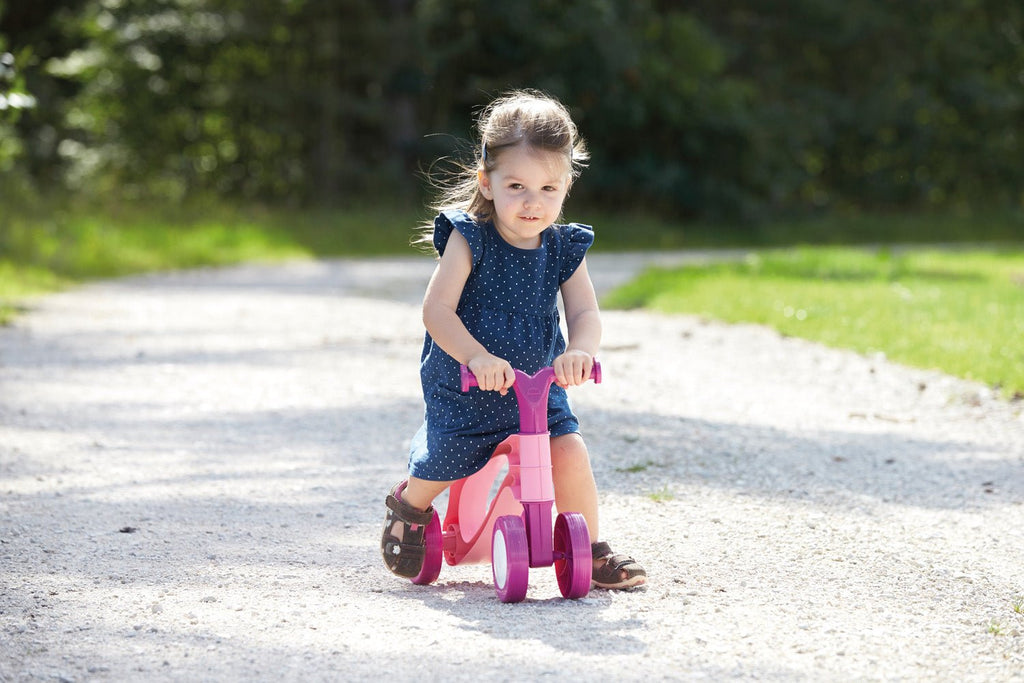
(447, 330)
(583, 322)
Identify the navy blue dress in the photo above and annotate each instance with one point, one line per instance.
(509, 304)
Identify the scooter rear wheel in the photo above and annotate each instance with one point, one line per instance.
(573, 560)
(433, 549)
(510, 558)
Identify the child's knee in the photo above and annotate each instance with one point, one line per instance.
(570, 440)
(569, 447)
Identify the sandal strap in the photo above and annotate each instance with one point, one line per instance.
(615, 562)
(406, 550)
(407, 513)
(623, 563)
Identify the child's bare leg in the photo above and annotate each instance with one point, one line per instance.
(575, 488)
(576, 491)
(420, 493)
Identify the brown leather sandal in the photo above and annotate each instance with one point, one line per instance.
(609, 574)
(404, 556)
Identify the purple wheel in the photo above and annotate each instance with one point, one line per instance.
(510, 558)
(573, 561)
(433, 551)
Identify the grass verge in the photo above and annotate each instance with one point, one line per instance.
(42, 251)
(959, 311)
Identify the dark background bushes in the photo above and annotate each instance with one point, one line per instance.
(708, 109)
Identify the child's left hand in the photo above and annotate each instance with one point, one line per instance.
(572, 368)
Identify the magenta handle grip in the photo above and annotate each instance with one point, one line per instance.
(468, 379)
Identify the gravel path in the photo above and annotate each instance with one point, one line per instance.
(192, 469)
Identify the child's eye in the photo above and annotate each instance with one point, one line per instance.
(516, 186)
(550, 188)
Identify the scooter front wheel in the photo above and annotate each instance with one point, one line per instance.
(510, 558)
(433, 549)
(573, 560)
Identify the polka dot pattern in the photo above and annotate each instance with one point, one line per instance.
(509, 304)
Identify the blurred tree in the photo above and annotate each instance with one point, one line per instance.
(284, 101)
(30, 105)
(13, 100)
(646, 86)
(705, 108)
(882, 104)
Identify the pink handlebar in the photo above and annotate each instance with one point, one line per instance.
(469, 380)
(531, 394)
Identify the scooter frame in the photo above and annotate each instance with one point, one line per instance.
(518, 518)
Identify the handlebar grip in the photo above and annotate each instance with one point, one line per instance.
(468, 379)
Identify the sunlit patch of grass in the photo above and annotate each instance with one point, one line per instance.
(358, 231)
(637, 467)
(634, 230)
(662, 495)
(958, 311)
(996, 628)
(90, 246)
(19, 282)
(45, 248)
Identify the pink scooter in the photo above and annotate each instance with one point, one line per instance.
(518, 518)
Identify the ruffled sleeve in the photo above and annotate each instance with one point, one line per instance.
(576, 239)
(447, 221)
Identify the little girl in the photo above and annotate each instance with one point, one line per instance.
(492, 305)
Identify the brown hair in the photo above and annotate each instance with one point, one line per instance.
(521, 117)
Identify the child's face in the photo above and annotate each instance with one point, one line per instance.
(527, 187)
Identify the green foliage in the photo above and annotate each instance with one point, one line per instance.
(958, 311)
(17, 282)
(46, 248)
(75, 246)
(14, 99)
(283, 102)
(712, 109)
(643, 230)
(884, 104)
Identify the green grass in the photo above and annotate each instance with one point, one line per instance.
(18, 282)
(960, 311)
(44, 250)
(637, 467)
(662, 495)
(633, 231)
(996, 628)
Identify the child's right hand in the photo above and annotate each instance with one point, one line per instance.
(492, 373)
